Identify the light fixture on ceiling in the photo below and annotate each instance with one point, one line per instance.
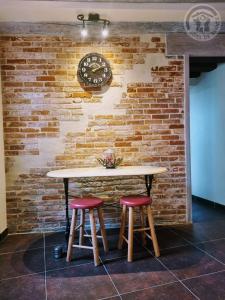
(93, 18)
(105, 30)
(84, 31)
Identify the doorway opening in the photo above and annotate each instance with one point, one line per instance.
(207, 136)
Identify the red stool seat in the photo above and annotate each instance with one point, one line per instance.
(85, 203)
(136, 200)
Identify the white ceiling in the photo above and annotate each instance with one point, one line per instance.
(67, 11)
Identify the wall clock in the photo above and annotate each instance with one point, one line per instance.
(94, 70)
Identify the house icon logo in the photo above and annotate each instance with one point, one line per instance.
(202, 22)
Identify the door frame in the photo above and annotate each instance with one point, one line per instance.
(181, 44)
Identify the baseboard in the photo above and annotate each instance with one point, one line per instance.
(3, 234)
(208, 202)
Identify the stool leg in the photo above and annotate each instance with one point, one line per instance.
(94, 237)
(130, 235)
(72, 235)
(152, 230)
(82, 220)
(122, 227)
(142, 214)
(103, 232)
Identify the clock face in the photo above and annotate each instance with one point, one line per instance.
(94, 69)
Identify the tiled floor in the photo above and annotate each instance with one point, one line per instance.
(191, 266)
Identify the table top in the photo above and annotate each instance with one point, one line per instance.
(103, 172)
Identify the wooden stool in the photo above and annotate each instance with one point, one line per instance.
(89, 203)
(141, 202)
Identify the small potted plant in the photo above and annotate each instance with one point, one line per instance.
(109, 159)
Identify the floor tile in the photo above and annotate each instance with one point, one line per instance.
(80, 256)
(21, 263)
(173, 291)
(54, 238)
(21, 242)
(215, 248)
(188, 261)
(166, 239)
(80, 282)
(139, 274)
(114, 252)
(209, 287)
(23, 288)
(202, 211)
(200, 232)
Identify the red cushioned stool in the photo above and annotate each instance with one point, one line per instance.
(89, 203)
(142, 202)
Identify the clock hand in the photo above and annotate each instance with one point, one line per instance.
(96, 69)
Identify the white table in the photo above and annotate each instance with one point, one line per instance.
(147, 171)
(103, 172)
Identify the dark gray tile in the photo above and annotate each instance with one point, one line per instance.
(173, 291)
(80, 282)
(114, 252)
(80, 256)
(203, 211)
(55, 238)
(23, 288)
(21, 263)
(188, 261)
(166, 239)
(200, 232)
(215, 248)
(21, 242)
(141, 273)
(208, 287)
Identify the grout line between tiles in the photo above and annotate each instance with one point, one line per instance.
(46, 292)
(110, 297)
(118, 294)
(19, 251)
(25, 275)
(69, 267)
(212, 273)
(215, 240)
(150, 287)
(173, 247)
(171, 272)
(194, 245)
(111, 279)
(51, 270)
(184, 285)
(54, 244)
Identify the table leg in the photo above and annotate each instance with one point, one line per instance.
(60, 250)
(148, 183)
(66, 190)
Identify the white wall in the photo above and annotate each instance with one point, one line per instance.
(207, 104)
(3, 223)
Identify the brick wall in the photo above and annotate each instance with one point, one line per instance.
(50, 122)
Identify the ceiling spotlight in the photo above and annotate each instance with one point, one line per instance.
(84, 31)
(93, 18)
(105, 30)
